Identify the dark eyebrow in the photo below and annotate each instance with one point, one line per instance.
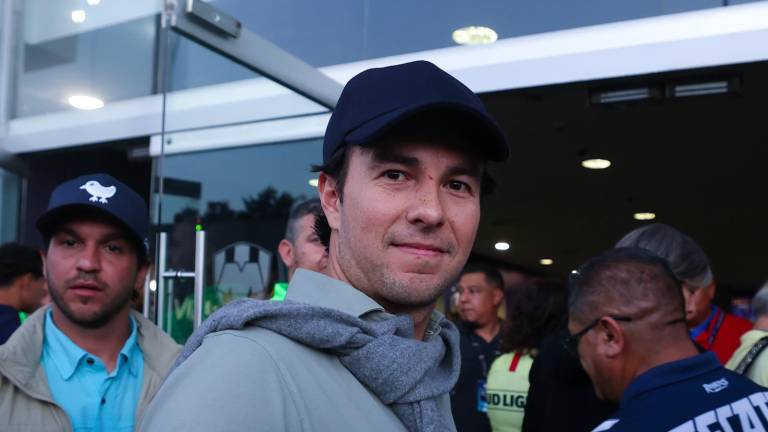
(387, 155)
(116, 235)
(66, 231)
(475, 171)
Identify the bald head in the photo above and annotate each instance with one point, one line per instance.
(627, 281)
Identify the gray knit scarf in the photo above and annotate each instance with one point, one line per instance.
(406, 374)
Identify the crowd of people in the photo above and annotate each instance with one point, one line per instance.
(632, 341)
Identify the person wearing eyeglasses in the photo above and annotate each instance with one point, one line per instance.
(627, 326)
(710, 327)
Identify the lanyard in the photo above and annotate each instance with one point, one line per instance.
(481, 355)
(715, 329)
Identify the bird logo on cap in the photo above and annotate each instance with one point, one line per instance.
(98, 192)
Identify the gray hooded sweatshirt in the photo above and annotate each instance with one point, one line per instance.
(329, 358)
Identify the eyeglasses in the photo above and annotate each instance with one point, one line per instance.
(571, 343)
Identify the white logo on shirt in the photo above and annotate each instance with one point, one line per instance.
(715, 386)
(604, 426)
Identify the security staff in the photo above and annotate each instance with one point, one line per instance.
(627, 325)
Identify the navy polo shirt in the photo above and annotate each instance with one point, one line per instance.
(693, 394)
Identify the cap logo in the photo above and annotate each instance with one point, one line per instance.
(98, 192)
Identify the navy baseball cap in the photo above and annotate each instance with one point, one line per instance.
(376, 100)
(101, 193)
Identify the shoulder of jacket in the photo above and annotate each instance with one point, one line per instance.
(159, 349)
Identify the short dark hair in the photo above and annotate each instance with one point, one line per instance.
(16, 260)
(535, 309)
(492, 274)
(626, 275)
(311, 206)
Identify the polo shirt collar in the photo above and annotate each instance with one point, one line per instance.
(320, 290)
(670, 373)
(68, 356)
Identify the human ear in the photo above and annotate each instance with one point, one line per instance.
(611, 338)
(285, 249)
(329, 198)
(141, 277)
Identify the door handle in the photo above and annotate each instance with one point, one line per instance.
(198, 275)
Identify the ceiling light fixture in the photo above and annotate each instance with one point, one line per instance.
(93, 2)
(546, 261)
(644, 216)
(84, 102)
(313, 182)
(596, 164)
(501, 246)
(700, 89)
(475, 35)
(78, 16)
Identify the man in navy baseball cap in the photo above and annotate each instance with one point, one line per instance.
(88, 361)
(404, 159)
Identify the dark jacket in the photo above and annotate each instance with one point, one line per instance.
(561, 397)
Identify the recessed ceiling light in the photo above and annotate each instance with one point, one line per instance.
(644, 216)
(84, 102)
(502, 246)
(313, 182)
(546, 261)
(94, 2)
(78, 16)
(596, 164)
(475, 35)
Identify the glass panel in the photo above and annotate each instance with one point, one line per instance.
(241, 197)
(339, 31)
(79, 53)
(10, 203)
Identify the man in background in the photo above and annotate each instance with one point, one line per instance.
(22, 285)
(480, 293)
(750, 358)
(301, 247)
(627, 325)
(88, 362)
(711, 327)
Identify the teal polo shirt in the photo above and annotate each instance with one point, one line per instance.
(95, 400)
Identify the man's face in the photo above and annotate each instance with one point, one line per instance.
(698, 303)
(34, 293)
(92, 270)
(407, 222)
(590, 359)
(479, 300)
(306, 251)
(601, 357)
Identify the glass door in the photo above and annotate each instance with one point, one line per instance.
(243, 122)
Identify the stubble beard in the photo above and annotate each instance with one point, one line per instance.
(101, 317)
(410, 293)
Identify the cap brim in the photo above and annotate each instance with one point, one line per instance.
(486, 131)
(50, 220)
